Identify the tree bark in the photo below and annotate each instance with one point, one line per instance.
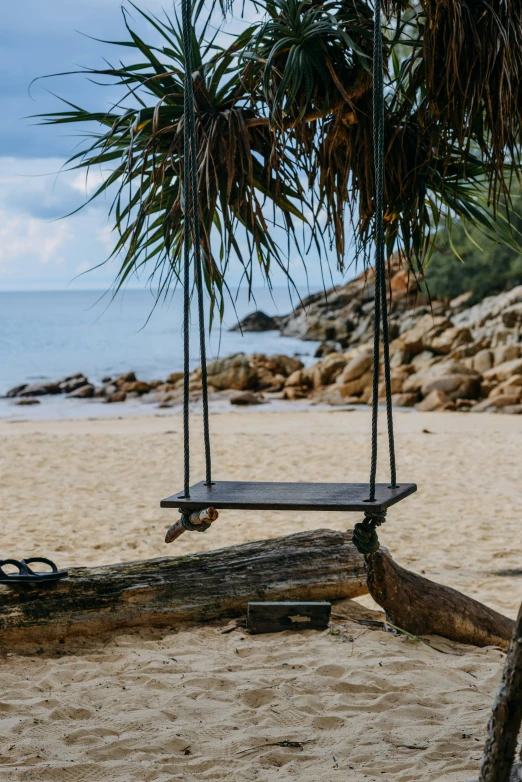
(506, 717)
(423, 607)
(320, 565)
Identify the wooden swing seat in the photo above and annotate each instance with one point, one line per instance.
(241, 495)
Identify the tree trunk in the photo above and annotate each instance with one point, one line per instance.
(423, 607)
(320, 565)
(506, 717)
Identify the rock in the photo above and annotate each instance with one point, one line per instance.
(457, 385)
(118, 396)
(423, 360)
(421, 336)
(174, 377)
(84, 392)
(106, 379)
(247, 398)
(326, 372)
(512, 409)
(72, 383)
(405, 400)
(512, 316)
(128, 377)
(356, 387)
(436, 400)
(16, 391)
(505, 353)
(40, 389)
(397, 378)
(27, 401)
(493, 403)
(459, 302)
(483, 360)
(137, 387)
(233, 372)
(325, 348)
(297, 378)
(450, 339)
(401, 281)
(280, 364)
(257, 321)
(356, 367)
(329, 396)
(510, 395)
(502, 371)
(295, 392)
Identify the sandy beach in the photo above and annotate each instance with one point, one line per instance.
(196, 704)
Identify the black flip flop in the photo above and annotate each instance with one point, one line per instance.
(26, 574)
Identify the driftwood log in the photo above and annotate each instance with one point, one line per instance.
(423, 607)
(320, 565)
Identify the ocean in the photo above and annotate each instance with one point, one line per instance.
(52, 334)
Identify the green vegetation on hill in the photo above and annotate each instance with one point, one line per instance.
(472, 262)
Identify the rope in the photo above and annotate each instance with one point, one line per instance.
(380, 304)
(365, 535)
(192, 231)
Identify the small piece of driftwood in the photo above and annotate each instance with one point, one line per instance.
(423, 607)
(197, 517)
(317, 566)
(271, 617)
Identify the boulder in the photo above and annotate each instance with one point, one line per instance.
(117, 396)
(283, 365)
(506, 353)
(356, 367)
(436, 400)
(514, 393)
(493, 403)
(455, 386)
(512, 409)
(298, 378)
(127, 377)
(233, 372)
(421, 336)
(329, 396)
(84, 392)
(72, 383)
(27, 401)
(40, 389)
(450, 339)
(257, 321)
(356, 387)
(174, 377)
(247, 398)
(325, 348)
(502, 371)
(450, 367)
(404, 400)
(137, 387)
(328, 370)
(483, 360)
(423, 360)
(16, 391)
(295, 392)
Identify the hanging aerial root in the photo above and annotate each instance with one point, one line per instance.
(196, 521)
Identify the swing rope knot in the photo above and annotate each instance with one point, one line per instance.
(365, 537)
(202, 526)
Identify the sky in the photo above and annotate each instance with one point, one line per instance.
(39, 248)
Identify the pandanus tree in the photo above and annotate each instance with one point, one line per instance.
(284, 133)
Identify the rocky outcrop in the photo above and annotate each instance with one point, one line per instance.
(444, 356)
(257, 321)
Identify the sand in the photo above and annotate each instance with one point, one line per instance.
(196, 704)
